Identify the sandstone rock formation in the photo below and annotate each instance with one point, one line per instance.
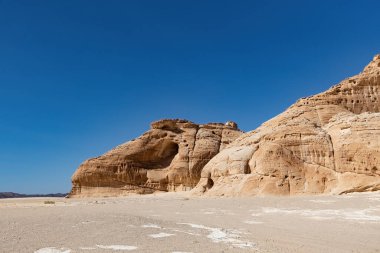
(168, 157)
(327, 143)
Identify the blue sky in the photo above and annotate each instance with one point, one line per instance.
(80, 77)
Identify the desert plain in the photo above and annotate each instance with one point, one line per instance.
(179, 222)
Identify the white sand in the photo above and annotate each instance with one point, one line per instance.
(52, 250)
(160, 235)
(175, 222)
(150, 226)
(117, 247)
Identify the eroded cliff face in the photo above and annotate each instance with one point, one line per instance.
(327, 143)
(168, 157)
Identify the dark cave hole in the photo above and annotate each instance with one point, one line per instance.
(210, 183)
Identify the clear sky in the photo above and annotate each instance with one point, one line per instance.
(80, 77)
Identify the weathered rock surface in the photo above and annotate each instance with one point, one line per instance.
(324, 144)
(168, 157)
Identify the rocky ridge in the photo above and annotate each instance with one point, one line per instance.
(8, 195)
(168, 157)
(328, 143)
(323, 144)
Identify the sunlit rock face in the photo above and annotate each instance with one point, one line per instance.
(324, 144)
(168, 157)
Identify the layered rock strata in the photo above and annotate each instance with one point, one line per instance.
(168, 157)
(324, 144)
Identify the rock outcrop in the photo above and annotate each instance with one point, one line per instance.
(168, 157)
(324, 144)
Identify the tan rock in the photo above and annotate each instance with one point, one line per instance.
(168, 157)
(327, 143)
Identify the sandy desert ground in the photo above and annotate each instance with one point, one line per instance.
(175, 222)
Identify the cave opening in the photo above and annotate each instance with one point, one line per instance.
(210, 183)
(162, 155)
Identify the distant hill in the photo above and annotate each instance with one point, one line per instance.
(5, 195)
